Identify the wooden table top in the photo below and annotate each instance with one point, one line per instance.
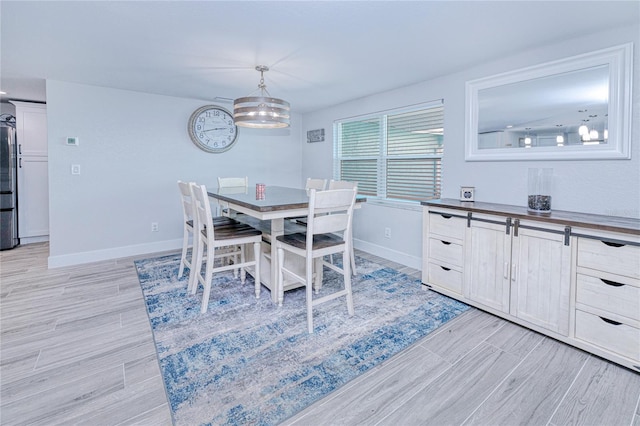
(274, 198)
(583, 220)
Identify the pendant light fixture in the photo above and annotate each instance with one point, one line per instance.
(263, 111)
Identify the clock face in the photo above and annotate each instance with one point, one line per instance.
(212, 129)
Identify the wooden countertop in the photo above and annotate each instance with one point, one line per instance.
(582, 220)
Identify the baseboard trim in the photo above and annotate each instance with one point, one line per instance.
(387, 253)
(113, 253)
(161, 246)
(33, 240)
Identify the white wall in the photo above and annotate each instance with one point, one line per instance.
(133, 148)
(600, 187)
(7, 108)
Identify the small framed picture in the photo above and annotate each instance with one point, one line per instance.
(315, 136)
(467, 193)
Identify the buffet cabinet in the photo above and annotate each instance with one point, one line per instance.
(572, 276)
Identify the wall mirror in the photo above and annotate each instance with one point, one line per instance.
(572, 109)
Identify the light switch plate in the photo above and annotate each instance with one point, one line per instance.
(75, 169)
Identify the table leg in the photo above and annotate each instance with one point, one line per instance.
(277, 228)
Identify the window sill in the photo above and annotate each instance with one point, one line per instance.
(396, 204)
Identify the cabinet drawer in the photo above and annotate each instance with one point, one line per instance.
(620, 260)
(446, 251)
(443, 223)
(612, 296)
(445, 277)
(620, 338)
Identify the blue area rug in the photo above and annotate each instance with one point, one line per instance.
(247, 361)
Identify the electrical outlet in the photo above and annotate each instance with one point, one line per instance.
(387, 232)
(154, 226)
(75, 169)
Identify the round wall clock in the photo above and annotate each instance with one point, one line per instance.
(212, 129)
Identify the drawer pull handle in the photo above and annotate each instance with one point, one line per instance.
(446, 243)
(610, 321)
(445, 268)
(446, 216)
(610, 244)
(611, 283)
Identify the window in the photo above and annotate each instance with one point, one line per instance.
(394, 154)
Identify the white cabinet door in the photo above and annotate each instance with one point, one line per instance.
(541, 279)
(31, 128)
(33, 197)
(488, 254)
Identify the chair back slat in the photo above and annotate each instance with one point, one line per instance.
(203, 218)
(318, 184)
(342, 184)
(226, 182)
(187, 201)
(330, 211)
(331, 223)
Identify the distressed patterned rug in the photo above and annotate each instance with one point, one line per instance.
(247, 361)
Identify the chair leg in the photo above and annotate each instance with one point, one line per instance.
(243, 273)
(279, 286)
(346, 263)
(185, 247)
(196, 265)
(257, 251)
(318, 273)
(353, 260)
(309, 288)
(235, 261)
(207, 280)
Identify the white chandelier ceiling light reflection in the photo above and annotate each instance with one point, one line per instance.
(261, 112)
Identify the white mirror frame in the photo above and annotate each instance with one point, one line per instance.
(619, 60)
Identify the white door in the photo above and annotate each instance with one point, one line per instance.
(33, 197)
(488, 254)
(541, 278)
(31, 127)
(33, 174)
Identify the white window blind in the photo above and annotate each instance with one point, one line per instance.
(393, 154)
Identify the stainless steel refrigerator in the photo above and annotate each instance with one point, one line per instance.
(8, 183)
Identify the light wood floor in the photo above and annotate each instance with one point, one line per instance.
(76, 348)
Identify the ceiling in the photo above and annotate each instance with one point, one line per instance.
(321, 53)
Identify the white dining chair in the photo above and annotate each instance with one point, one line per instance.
(317, 184)
(210, 237)
(230, 182)
(312, 183)
(328, 226)
(188, 213)
(345, 184)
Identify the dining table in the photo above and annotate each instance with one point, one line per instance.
(269, 206)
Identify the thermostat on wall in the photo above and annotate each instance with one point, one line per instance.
(73, 141)
(467, 193)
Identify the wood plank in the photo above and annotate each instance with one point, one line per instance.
(380, 394)
(585, 403)
(50, 406)
(515, 339)
(455, 339)
(453, 396)
(547, 373)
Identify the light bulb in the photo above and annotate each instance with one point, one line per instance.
(560, 139)
(593, 134)
(583, 129)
